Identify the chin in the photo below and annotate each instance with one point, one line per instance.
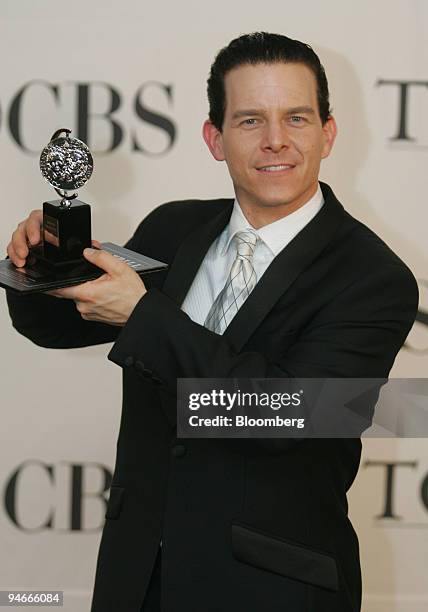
(280, 199)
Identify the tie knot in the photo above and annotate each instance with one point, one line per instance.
(246, 242)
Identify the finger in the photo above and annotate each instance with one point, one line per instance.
(76, 292)
(33, 227)
(55, 293)
(96, 244)
(106, 261)
(17, 261)
(19, 241)
(84, 311)
(27, 233)
(81, 307)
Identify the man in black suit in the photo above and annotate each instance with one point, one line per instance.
(236, 525)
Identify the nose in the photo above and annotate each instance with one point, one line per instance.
(275, 137)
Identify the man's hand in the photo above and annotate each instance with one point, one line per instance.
(110, 298)
(28, 233)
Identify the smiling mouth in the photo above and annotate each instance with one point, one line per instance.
(275, 168)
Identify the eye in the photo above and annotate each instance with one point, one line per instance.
(250, 121)
(297, 119)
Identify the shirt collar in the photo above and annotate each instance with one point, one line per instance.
(278, 234)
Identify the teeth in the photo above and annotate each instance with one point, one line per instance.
(275, 168)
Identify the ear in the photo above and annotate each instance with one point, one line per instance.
(330, 132)
(214, 140)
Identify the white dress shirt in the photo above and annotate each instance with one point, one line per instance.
(214, 270)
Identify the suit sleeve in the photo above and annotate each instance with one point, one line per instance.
(357, 335)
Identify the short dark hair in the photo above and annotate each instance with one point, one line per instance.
(262, 48)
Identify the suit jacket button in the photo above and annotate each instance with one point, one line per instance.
(179, 450)
(129, 361)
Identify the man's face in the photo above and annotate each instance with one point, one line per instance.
(272, 138)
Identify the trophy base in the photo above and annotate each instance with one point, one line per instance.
(41, 268)
(37, 276)
(37, 259)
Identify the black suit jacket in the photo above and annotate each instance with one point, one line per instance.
(246, 525)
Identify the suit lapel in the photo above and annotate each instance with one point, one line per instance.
(285, 268)
(281, 273)
(191, 253)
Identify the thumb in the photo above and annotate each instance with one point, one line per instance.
(106, 261)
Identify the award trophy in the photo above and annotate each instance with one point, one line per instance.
(58, 261)
(67, 164)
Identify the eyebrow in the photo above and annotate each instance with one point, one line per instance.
(301, 110)
(295, 110)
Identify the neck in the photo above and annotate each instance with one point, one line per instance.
(259, 215)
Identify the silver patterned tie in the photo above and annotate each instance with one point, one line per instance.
(240, 282)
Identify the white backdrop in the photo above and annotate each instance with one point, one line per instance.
(60, 409)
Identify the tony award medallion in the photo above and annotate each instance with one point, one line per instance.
(67, 164)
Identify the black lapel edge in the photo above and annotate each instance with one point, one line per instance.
(285, 268)
(191, 253)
